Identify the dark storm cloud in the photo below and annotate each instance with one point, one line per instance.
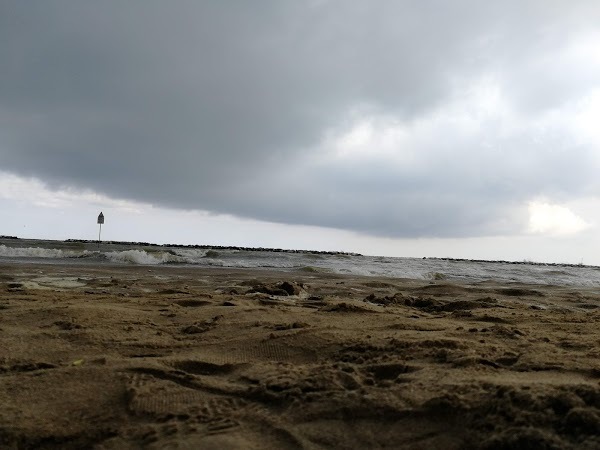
(225, 106)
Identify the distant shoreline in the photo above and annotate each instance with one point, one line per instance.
(501, 261)
(197, 246)
(218, 247)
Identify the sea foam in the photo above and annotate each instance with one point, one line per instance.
(144, 258)
(37, 252)
(127, 256)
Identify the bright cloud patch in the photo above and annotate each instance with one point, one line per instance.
(473, 109)
(547, 218)
(34, 192)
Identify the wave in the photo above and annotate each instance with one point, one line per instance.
(194, 254)
(38, 252)
(558, 272)
(431, 269)
(144, 258)
(141, 257)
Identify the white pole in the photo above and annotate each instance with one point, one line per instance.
(99, 231)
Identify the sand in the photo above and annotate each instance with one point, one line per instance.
(116, 357)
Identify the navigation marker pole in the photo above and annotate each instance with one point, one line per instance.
(100, 222)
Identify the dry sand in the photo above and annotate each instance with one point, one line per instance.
(129, 357)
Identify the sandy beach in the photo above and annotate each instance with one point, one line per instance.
(124, 357)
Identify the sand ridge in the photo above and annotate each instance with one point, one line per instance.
(113, 357)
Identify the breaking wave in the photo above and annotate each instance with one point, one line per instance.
(145, 258)
(37, 252)
(133, 256)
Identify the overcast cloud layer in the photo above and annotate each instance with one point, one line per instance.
(392, 118)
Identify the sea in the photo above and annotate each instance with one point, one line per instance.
(13, 250)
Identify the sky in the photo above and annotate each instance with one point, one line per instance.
(440, 128)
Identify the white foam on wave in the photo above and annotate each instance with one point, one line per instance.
(128, 256)
(37, 252)
(193, 255)
(144, 258)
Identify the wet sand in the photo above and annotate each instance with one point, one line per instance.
(114, 357)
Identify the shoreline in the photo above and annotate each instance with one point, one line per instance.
(136, 356)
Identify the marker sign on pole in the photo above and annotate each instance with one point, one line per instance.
(100, 222)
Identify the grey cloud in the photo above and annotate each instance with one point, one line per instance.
(223, 106)
(456, 189)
